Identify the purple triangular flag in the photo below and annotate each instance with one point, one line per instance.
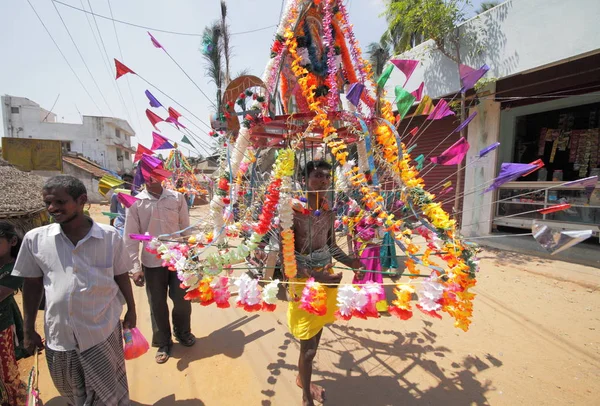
(589, 184)
(470, 76)
(153, 101)
(160, 142)
(453, 155)
(150, 161)
(138, 180)
(465, 123)
(418, 93)
(354, 93)
(488, 149)
(441, 110)
(154, 41)
(509, 172)
(407, 66)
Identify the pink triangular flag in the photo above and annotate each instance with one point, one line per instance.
(407, 66)
(141, 150)
(453, 155)
(126, 200)
(154, 41)
(160, 142)
(441, 110)
(419, 92)
(154, 118)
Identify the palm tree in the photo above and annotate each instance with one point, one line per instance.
(379, 54)
(397, 36)
(212, 52)
(225, 41)
(486, 5)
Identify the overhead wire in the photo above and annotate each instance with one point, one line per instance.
(82, 58)
(189, 34)
(137, 114)
(108, 58)
(63, 55)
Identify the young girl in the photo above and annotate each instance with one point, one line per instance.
(12, 390)
(368, 238)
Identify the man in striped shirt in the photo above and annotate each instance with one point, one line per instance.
(83, 268)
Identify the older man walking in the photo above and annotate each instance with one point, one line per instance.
(160, 211)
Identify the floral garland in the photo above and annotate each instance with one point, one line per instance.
(441, 292)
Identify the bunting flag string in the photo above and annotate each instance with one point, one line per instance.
(453, 155)
(141, 150)
(406, 66)
(469, 76)
(425, 106)
(160, 142)
(121, 69)
(441, 110)
(464, 123)
(154, 118)
(404, 101)
(418, 93)
(153, 100)
(510, 172)
(154, 41)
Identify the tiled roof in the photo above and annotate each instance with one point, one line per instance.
(85, 165)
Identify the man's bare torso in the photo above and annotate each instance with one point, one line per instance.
(312, 232)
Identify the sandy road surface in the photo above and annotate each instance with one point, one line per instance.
(535, 340)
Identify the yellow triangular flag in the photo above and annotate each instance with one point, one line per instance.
(108, 182)
(425, 106)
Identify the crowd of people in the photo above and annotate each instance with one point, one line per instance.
(83, 270)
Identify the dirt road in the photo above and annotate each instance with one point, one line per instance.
(535, 340)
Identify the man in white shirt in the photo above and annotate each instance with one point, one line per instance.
(82, 267)
(160, 211)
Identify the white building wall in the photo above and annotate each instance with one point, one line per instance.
(515, 37)
(94, 138)
(484, 131)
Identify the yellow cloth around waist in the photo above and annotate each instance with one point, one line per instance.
(302, 324)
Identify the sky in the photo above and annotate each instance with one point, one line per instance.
(34, 68)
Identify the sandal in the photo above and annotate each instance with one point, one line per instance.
(187, 340)
(162, 355)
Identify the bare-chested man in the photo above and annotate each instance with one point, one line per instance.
(315, 246)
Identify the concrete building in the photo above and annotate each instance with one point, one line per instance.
(542, 102)
(104, 140)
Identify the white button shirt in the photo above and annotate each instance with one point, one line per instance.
(165, 215)
(83, 301)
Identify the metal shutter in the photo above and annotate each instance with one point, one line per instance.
(428, 144)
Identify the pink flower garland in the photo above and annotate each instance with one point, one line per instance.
(332, 68)
(356, 57)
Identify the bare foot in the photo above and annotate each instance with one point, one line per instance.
(317, 392)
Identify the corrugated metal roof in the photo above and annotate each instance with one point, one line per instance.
(434, 139)
(85, 165)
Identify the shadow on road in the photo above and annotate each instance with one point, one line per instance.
(166, 401)
(378, 367)
(170, 400)
(228, 341)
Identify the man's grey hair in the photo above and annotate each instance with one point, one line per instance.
(71, 184)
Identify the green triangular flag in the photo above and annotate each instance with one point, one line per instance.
(186, 140)
(404, 101)
(385, 75)
(419, 160)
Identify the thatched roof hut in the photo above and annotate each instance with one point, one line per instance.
(21, 198)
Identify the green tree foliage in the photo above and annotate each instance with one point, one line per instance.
(413, 21)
